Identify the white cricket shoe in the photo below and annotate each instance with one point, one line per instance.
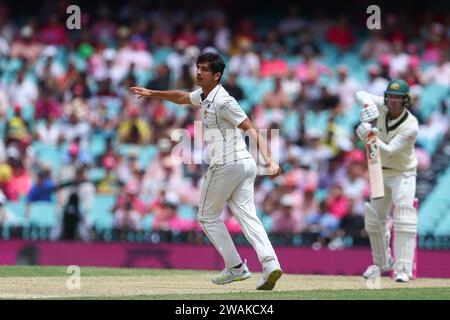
(271, 273)
(232, 274)
(402, 277)
(372, 272)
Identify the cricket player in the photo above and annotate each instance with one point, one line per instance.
(396, 130)
(231, 173)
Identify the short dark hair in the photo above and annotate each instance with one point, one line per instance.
(215, 61)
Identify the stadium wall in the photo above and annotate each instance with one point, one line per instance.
(295, 260)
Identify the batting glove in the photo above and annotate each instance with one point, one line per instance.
(364, 129)
(369, 113)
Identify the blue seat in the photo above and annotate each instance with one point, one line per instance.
(161, 54)
(18, 210)
(102, 217)
(42, 213)
(147, 222)
(98, 143)
(187, 212)
(96, 174)
(48, 154)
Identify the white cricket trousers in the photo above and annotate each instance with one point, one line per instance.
(399, 191)
(233, 183)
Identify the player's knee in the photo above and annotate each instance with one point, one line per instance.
(405, 218)
(206, 219)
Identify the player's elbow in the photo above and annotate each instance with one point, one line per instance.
(360, 94)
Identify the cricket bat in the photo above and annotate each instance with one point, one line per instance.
(374, 166)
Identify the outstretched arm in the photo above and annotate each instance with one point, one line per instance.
(175, 96)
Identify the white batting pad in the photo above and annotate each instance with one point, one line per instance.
(405, 229)
(379, 236)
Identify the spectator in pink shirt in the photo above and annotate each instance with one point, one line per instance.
(338, 204)
(20, 182)
(131, 195)
(167, 219)
(310, 70)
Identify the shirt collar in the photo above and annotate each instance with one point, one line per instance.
(399, 118)
(213, 93)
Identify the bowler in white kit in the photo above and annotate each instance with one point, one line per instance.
(397, 130)
(231, 173)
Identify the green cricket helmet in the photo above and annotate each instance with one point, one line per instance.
(398, 87)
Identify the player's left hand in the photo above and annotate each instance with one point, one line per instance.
(141, 92)
(364, 129)
(274, 169)
(369, 113)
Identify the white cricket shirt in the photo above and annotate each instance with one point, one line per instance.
(221, 116)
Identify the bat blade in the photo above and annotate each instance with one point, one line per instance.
(374, 167)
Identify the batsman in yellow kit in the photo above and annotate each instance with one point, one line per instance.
(396, 129)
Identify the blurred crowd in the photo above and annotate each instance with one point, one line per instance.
(65, 88)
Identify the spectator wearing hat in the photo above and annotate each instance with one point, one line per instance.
(245, 63)
(23, 91)
(27, 46)
(374, 47)
(134, 130)
(398, 59)
(284, 219)
(49, 132)
(345, 88)
(76, 128)
(18, 130)
(101, 64)
(110, 183)
(126, 218)
(49, 68)
(376, 84)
